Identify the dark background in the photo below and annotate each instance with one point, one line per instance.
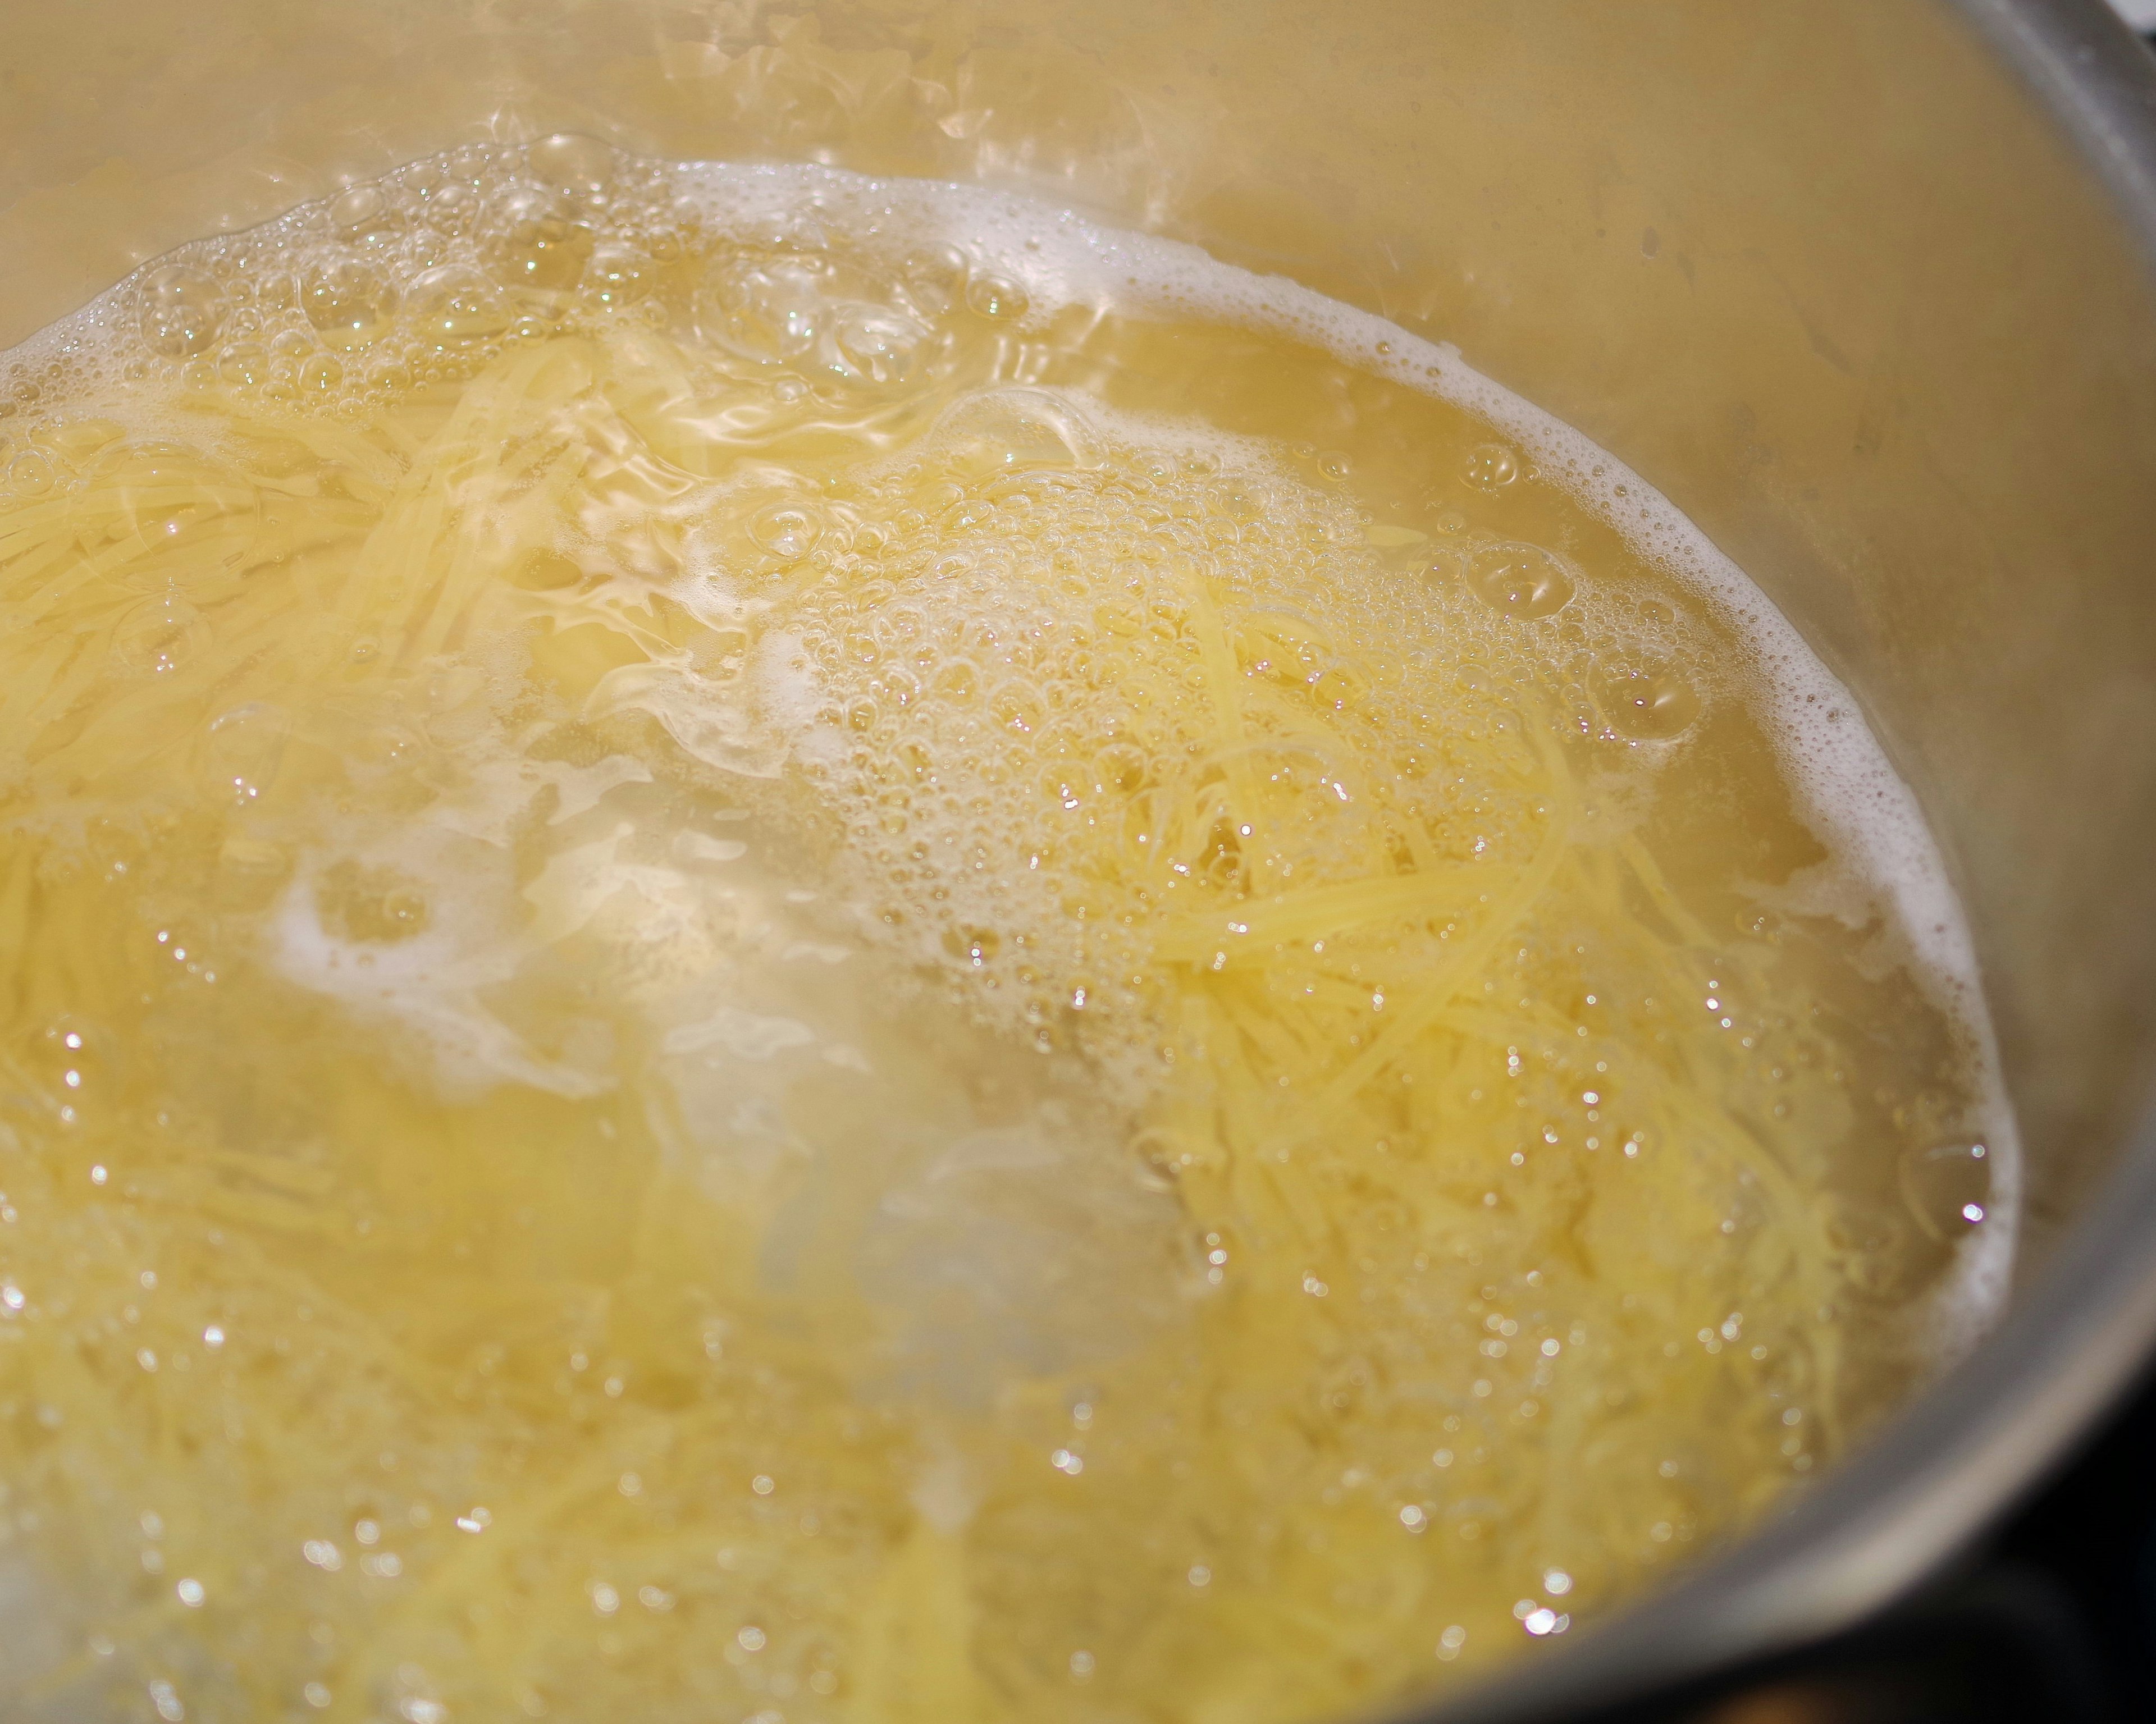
(2050, 1621)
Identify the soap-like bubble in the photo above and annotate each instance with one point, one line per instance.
(768, 308)
(536, 242)
(879, 346)
(160, 635)
(350, 304)
(1647, 703)
(242, 751)
(1520, 580)
(371, 905)
(30, 474)
(364, 215)
(384, 751)
(1490, 466)
(570, 162)
(1010, 430)
(182, 310)
(996, 297)
(786, 530)
(244, 364)
(453, 306)
(619, 275)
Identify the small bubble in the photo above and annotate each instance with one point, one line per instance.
(363, 216)
(453, 306)
(1647, 704)
(1489, 467)
(769, 310)
(571, 161)
(932, 280)
(1520, 580)
(878, 346)
(30, 474)
(1009, 430)
(370, 905)
(349, 304)
(537, 243)
(1947, 1187)
(182, 310)
(242, 751)
(996, 298)
(160, 635)
(786, 530)
(617, 276)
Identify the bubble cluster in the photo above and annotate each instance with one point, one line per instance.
(744, 984)
(1079, 675)
(424, 275)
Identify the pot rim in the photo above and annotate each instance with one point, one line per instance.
(1993, 1427)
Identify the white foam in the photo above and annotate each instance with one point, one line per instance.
(1059, 256)
(429, 989)
(1848, 789)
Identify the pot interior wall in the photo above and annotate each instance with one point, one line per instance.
(1825, 274)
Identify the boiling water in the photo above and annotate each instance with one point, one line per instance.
(788, 947)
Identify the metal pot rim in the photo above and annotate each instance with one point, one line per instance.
(1990, 1429)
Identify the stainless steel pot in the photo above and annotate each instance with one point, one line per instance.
(1865, 286)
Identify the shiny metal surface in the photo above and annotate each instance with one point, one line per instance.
(1867, 287)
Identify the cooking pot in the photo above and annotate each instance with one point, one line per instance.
(1864, 286)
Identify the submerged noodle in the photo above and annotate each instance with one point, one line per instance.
(952, 1048)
